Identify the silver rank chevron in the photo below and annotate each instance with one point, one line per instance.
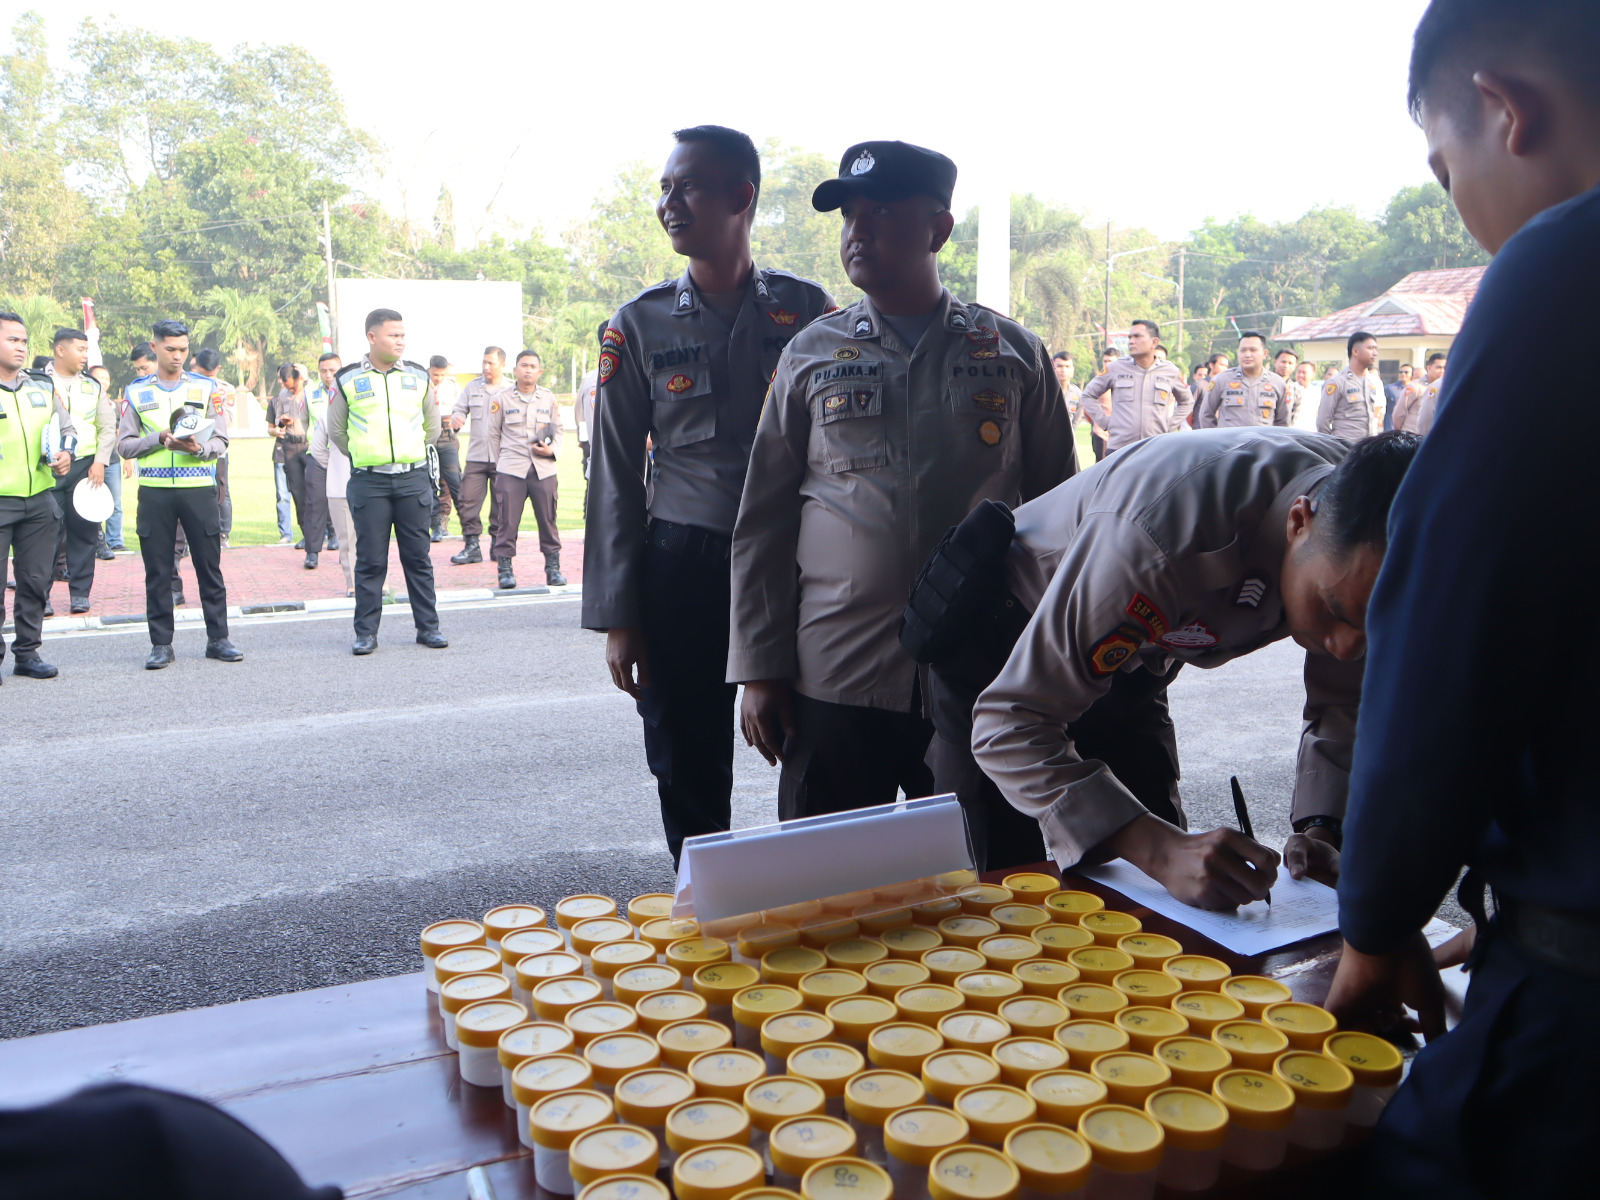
(1251, 592)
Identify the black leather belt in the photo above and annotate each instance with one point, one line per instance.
(1567, 941)
(690, 541)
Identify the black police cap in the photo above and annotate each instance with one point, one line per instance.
(887, 171)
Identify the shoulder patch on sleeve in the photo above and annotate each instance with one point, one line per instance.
(1143, 610)
(1113, 650)
(608, 364)
(1331, 388)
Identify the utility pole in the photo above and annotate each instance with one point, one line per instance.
(327, 251)
(1178, 347)
(1106, 328)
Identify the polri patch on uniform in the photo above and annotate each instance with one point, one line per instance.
(783, 318)
(363, 387)
(1331, 388)
(1115, 649)
(1143, 610)
(679, 383)
(982, 333)
(408, 383)
(1193, 636)
(990, 401)
(833, 404)
(847, 352)
(864, 398)
(1251, 593)
(984, 352)
(989, 433)
(612, 339)
(608, 364)
(494, 406)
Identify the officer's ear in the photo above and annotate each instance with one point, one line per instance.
(744, 201)
(944, 223)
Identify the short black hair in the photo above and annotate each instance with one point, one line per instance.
(142, 350)
(1111, 351)
(1352, 503)
(1151, 327)
(1454, 36)
(162, 330)
(1061, 355)
(1356, 338)
(380, 316)
(207, 359)
(439, 362)
(734, 148)
(63, 334)
(285, 372)
(41, 361)
(13, 318)
(600, 331)
(1285, 350)
(1216, 358)
(522, 354)
(488, 350)
(329, 355)
(1437, 356)
(1254, 333)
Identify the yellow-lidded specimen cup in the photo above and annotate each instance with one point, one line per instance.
(1052, 1161)
(994, 1110)
(716, 1172)
(660, 1009)
(1148, 1026)
(1306, 1026)
(973, 1173)
(846, 1179)
(1255, 992)
(556, 1122)
(912, 1138)
(1260, 1111)
(612, 1150)
(684, 1041)
(1206, 1010)
(1130, 1077)
(1376, 1067)
(1086, 1039)
(948, 1073)
(785, 1033)
(903, 1046)
(1322, 1089)
(1021, 1058)
(1064, 1096)
(1195, 1062)
(798, 1144)
(870, 1099)
(1196, 1126)
(1253, 1045)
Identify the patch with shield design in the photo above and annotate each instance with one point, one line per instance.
(990, 400)
(863, 399)
(608, 364)
(1115, 649)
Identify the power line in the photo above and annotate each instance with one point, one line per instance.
(208, 228)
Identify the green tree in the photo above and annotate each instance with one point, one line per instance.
(245, 326)
(42, 315)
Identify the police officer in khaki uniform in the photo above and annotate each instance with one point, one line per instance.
(1143, 394)
(684, 367)
(1352, 401)
(1189, 550)
(524, 442)
(477, 478)
(1415, 399)
(1248, 394)
(94, 421)
(29, 521)
(886, 424)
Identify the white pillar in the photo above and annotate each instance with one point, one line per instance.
(994, 241)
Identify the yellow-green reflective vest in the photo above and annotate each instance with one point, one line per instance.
(316, 408)
(385, 413)
(82, 398)
(155, 405)
(23, 415)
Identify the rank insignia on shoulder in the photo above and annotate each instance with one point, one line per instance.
(761, 288)
(608, 364)
(1113, 650)
(1143, 610)
(685, 299)
(989, 433)
(863, 327)
(990, 401)
(958, 321)
(612, 339)
(783, 318)
(847, 352)
(1251, 592)
(1193, 636)
(983, 352)
(679, 383)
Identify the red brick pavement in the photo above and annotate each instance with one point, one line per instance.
(274, 574)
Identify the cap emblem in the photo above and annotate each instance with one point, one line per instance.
(864, 162)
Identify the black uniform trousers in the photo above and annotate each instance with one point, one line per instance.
(29, 527)
(449, 490)
(295, 459)
(843, 756)
(161, 511)
(315, 527)
(403, 503)
(688, 705)
(1129, 729)
(78, 538)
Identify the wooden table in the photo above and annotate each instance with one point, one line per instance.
(355, 1084)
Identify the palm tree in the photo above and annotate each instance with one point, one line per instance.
(42, 315)
(247, 322)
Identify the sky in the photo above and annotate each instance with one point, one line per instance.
(527, 110)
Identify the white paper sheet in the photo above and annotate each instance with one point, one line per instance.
(1301, 909)
(730, 874)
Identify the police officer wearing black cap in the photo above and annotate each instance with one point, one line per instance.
(887, 422)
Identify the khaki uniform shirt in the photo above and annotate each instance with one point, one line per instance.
(1426, 407)
(1142, 403)
(1235, 400)
(473, 404)
(444, 399)
(1171, 551)
(673, 371)
(1351, 406)
(516, 422)
(1073, 394)
(1408, 406)
(867, 453)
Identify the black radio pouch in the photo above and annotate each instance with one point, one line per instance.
(961, 590)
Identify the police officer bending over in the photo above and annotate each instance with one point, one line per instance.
(29, 521)
(685, 364)
(1194, 549)
(384, 420)
(886, 424)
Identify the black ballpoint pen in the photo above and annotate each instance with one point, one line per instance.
(1243, 814)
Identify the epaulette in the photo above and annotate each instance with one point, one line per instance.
(141, 379)
(347, 369)
(406, 362)
(665, 284)
(41, 375)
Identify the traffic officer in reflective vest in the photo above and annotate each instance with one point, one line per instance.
(685, 365)
(1248, 394)
(384, 419)
(887, 422)
(94, 421)
(1353, 401)
(177, 485)
(29, 520)
(1193, 550)
(318, 528)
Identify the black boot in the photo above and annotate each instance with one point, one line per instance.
(507, 579)
(102, 551)
(552, 569)
(469, 552)
(437, 534)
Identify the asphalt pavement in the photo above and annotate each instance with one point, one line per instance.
(215, 832)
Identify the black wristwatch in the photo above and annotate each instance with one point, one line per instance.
(1334, 826)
